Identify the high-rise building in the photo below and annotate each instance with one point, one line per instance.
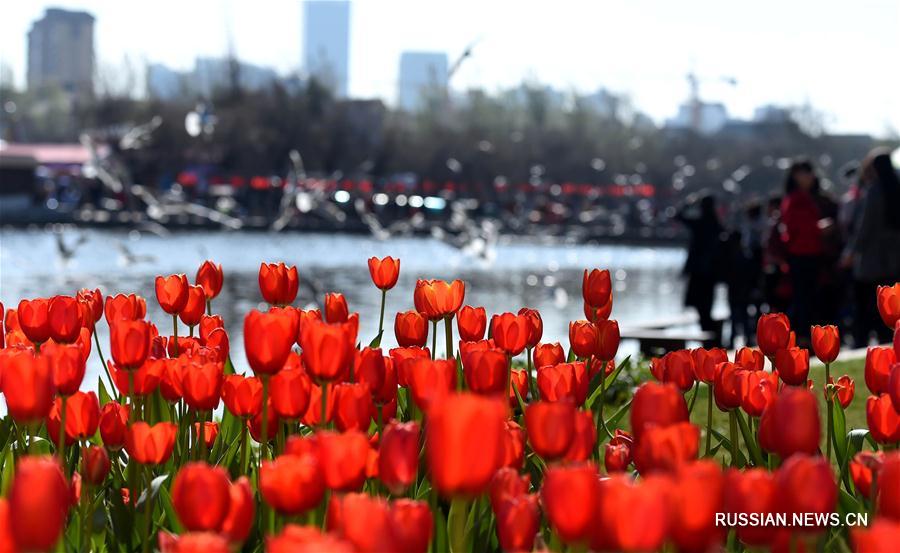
(326, 42)
(61, 52)
(421, 74)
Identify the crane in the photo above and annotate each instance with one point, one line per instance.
(694, 97)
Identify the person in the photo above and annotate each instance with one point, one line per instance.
(873, 249)
(745, 272)
(703, 265)
(801, 236)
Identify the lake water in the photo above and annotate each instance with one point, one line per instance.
(514, 274)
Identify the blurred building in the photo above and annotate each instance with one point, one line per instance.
(165, 83)
(704, 117)
(326, 42)
(208, 76)
(61, 52)
(421, 74)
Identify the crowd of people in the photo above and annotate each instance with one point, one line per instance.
(803, 251)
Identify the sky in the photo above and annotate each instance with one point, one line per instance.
(841, 57)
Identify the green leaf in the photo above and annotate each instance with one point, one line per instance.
(742, 461)
(376, 341)
(172, 522)
(613, 421)
(612, 378)
(102, 392)
(229, 366)
(749, 440)
(595, 388)
(571, 356)
(519, 399)
(153, 490)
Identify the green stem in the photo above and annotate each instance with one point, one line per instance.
(264, 439)
(61, 442)
(244, 433)
(381, 317)
(602, 399)
(456, 525)
(202, 436)
(693, 398)
(209, 307)
(148, 513)
(112, 385)
(732, 422)
(434, 324)
(175, 332)
(709, 415)
(131, 410)
(448, 334)
(829, 400)
(532, 384)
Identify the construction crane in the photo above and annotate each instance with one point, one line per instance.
(694, 98)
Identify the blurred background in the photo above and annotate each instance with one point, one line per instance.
(510, 144)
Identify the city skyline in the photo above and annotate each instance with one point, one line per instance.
(835, 57)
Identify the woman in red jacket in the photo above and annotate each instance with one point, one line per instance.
(801, 235)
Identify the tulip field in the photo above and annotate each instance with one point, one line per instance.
(472, 434)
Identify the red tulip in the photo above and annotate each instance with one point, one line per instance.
(864, 469)
(114, 424)
(608, 339)
(792, 365)
(844, 388)
(805, 484)
(569, 496)
(27, 383)
(486, 371)
(631, 516)
(130, 342)
(666, 448)
(888, 500)
(241, 510)
(550, 427)
(535, 326)
(548, 354)
(172, 293)
(142, 382)
(617, 455)
(384, 272)
(353, 406)
(510, 332)
(68, 364)
(557, 383)
(729, 385)
(121, 307)
(210, 432)
(436, 299)
(678, 368)
(705, 362)
(290, 393)
(596, 287)
(295, 538)
(210, 278)
(750, 359)
(429, 381)
(773, 332)
(268, 338)
(584, 338)
(882, 419)
(411, 525)
(201, 495)
(471, 323)
(507, 484)
(243, 394)
(790, 424)
(879, 361)
(464, 445)
(34, 319)
(313, 415)
(82, 417)
(747, 492)
(518, 522)
(411, 329)
(343, 457)
(882, 535)
(93, 300)
(195, 306)
(150, 445)
(292, 484)
(362, 520)
(170, 383)
(596, 313)
(518, 381)
(656, 404)
(278, 283)
(398, 456)
(203, 386)
(328, 349)
(696, 496)
(888, 299)
(39, 501)
(95, 464)
(513, 445)
(64, 318)
(368, 368)
(826, 342)
(758, 389)
(584, 438)
(336, 310)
